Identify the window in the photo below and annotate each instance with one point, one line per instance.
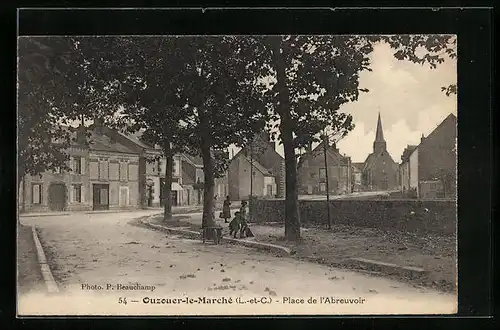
(322, 173)
(77, 165)
(322, 187)
(37, 194)
(77, 193)
(57, 170)
(159, 166)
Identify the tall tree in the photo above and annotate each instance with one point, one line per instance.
(219, 86)
(314, 76)
(151, 82)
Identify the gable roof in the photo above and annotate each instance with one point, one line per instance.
(101, 141)
(196, 161)
(331, 150)
(258, 166)
(358, 166)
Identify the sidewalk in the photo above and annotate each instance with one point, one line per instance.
(29, 275)
(175, 210)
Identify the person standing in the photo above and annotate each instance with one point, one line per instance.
(226, 209)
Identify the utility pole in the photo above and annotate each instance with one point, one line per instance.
(251, 183)
(325, 141)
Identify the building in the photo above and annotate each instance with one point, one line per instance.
(379, 171)
(429, 170)
(311, 171)
(268, 175)
(356, 173)
(242, 185)
(104, 176)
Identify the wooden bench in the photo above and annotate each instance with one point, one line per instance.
(216, 233)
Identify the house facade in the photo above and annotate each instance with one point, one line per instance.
(243, 183)
(263, 151)
(104, 176)
(312, 173)
(380, 171)
(429, 170)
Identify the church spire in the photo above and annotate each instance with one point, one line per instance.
(379, 144)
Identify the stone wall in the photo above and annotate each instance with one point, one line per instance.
(438, 217)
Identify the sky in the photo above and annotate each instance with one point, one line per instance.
(408, 97)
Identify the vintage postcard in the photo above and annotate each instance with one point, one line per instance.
(237, 175)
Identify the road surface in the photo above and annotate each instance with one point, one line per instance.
(102, 260)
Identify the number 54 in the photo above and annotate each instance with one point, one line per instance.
(122, 300)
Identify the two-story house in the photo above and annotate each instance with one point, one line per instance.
(312, 173)
(104, 175)
(268, 174)
(429, 170)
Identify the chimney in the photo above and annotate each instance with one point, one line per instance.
(309, 147)
(325, 140)
(422, 138)
(98, 125)
(334, 146)
(81, 137)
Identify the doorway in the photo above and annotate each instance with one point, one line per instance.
(57, 197)
(100, 199)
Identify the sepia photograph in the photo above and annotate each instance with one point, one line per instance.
(226, 175)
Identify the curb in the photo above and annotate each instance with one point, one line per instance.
(388, 268)
(42, 260)
(197, 235)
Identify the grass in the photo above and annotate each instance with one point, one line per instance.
(29, 277)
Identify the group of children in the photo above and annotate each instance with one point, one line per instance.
(239, 223)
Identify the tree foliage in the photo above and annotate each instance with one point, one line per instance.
(60, 79)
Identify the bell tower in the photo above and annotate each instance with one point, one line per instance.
(379, 144)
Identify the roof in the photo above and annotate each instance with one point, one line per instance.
(103, 142)
(450, 117)
(358, 166)
(194, 160)
(258, 166)
(333, 151)
(379, 136)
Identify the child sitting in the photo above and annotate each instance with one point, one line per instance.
(234, 225)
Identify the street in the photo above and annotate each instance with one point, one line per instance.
(107, 264)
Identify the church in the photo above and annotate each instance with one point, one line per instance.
(380, 170)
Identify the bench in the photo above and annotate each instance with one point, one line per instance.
(216, 232)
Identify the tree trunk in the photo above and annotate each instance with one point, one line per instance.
(208, 218)
(167, 188)
(292, 216)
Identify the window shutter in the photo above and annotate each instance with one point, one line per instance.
(82, 165)
(82, 193)
(72, 164)
(71, 193)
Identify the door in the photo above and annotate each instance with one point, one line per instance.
(174, 197)
(270, 190)
(57, 197)
(100, 198)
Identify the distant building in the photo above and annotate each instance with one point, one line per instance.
(105, 175)
(263, 182)
(379, 170)
(429, 169)
(311, 171)
(356, 174)
(269, 170)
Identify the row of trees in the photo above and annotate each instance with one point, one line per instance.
(199, 94)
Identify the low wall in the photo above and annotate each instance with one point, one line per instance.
(431, 216)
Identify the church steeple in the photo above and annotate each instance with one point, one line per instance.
(379, 144)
